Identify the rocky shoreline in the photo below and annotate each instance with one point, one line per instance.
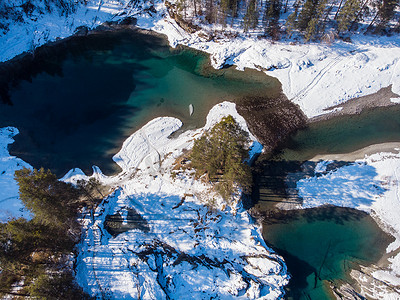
(382, 98)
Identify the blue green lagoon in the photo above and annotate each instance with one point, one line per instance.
(78, 100)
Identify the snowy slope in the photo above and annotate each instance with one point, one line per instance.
(10, 204)
(41, 28)
(180, 248)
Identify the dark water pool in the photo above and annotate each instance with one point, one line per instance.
(321, 245)
(83, 97)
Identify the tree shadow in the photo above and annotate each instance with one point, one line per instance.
(279, 181)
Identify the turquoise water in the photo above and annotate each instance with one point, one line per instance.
(320, 246)
(345, 134)
(83, 98)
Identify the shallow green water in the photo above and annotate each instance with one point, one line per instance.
(345, 134)
(320, 245)
(88, 94)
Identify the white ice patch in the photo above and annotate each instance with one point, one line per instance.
(10, 204)
(395, 100)
(349, 186)
(321, 166)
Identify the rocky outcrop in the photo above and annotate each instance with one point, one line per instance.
(271, 120)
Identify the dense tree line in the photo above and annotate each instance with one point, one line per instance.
(16, 11)
(220, 155)
(309, 18)
(36, 254)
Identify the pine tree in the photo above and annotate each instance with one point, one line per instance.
(227, 8)
(291, 22)
(316, 24)
(53, 202)
(221, 153)
(312, 29)
(271, 17)
(250, 20)
(363, 9)
(210, 11)
(347, 14)
(196, 8)
(386, 11)
(337, 12)
(306, 14)
(181, 9)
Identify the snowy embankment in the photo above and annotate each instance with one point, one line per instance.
(314, 75)
(177, 247)
(10, 204)
(371, 184)
(41, 28)
(183, 242)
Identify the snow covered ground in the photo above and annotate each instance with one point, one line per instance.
(10, 204)
(180, 247)
(371, 184)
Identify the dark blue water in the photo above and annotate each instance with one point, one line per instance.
(321, 245)
(84, 97)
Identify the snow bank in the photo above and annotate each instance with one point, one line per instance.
(10, 204)
(176, 247)
(354, 185)
(370, 184)
(41, 28)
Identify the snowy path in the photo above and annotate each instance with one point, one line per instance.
(317, 78)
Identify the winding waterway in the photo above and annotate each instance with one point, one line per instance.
(78, 100)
